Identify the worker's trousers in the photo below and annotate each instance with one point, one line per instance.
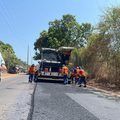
(31, 77)
(82, 80)
(65, 78)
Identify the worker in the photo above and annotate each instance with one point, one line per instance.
(65, 74)
(31, 73)
(77, 75)
(36, 75)
(83, 76)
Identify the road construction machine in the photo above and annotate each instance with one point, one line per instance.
(51, 62)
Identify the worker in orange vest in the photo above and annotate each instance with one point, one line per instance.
(77, 75)
(83, 76)
(31, 71)
(65, 74)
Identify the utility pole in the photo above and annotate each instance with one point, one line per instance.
(31, 60)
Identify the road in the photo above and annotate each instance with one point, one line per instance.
(55, 101)
(15, 98)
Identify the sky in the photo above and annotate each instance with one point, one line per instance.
(21, 21)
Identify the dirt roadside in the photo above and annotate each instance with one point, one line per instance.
(8, 75)
(105, 90)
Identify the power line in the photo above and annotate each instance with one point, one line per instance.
(8, 13)
(6, 16)
(6, 22)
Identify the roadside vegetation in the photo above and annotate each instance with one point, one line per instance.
(10, 57)
(97, 48)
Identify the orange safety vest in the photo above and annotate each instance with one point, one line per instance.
(77, 73)
(83, 73)
(32, 70)
(65, 70)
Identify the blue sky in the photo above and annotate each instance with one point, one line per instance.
(21, 21)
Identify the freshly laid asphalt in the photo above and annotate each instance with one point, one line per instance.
(52, 103)
(55, 101)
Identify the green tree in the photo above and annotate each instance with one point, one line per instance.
(9, 55)
(42, 41)
(102, 54)
(110, 25)
(64, 32)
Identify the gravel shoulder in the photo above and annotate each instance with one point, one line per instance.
(15, 98)
(8, 75)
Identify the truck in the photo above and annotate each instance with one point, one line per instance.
(51, 62)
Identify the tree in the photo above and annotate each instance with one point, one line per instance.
(64, 32)
(9, 55)
(110, 25)
(42, 41)
(102, 54)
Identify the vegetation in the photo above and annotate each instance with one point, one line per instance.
(102, 54)
(9, 56)
(97, 50)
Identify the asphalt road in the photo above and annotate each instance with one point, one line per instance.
(55, 101)
(15, 98)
